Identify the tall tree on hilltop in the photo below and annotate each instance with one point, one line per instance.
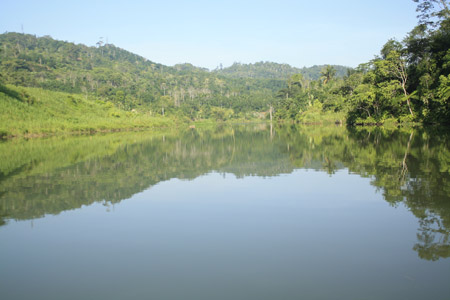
(327, 74)
(432, 12)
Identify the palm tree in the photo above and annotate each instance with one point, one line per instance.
(327, 74)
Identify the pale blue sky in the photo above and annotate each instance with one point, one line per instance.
(207, 33)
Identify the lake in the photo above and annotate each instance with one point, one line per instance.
(230, 212)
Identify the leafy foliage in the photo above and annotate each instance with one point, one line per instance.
(270, 70)
(408, 82)
(126, 79)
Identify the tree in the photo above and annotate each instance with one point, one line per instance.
(327, 74)
(394, 65)
(296, 80)
(165, 102)
(432, 12)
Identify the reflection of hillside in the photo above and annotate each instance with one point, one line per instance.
(47, 176)
(256, 155)
(57, 175)
(409, 167)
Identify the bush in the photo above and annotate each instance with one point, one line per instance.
(406, 119)
(115, 114)
(3, 134)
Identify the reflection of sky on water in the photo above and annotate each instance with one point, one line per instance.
(233, 214)
(222, 237)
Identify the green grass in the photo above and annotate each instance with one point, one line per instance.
(38, 112)
(320, 117)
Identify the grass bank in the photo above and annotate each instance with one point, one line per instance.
(31, 112)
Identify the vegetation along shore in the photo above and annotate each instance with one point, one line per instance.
(49, 86)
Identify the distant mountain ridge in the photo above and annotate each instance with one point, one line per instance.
(271, 70)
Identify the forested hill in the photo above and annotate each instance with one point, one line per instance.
(314, 72)
(276, 71)
(127, 79)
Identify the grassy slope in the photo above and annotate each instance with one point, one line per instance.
(34, 111)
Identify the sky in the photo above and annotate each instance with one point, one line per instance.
(209, 33)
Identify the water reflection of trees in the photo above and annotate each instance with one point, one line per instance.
(407, 166)
(39, 177)
(49, 176)
(421, 181)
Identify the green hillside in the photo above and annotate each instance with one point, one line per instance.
(35, 111)
(126, 79)
(271, 70)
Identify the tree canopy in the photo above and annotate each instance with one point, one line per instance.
(408, 80)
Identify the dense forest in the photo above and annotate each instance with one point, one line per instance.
(133, 82)
(409, 81)
(272, 70)
(126, 79)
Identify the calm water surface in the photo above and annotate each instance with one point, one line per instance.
(243, 212)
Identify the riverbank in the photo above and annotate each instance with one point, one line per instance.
(34, 112)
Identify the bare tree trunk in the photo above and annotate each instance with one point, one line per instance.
(404, 165)
(403, 75)
(271, 131)
(407, 99)
(409, 106)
